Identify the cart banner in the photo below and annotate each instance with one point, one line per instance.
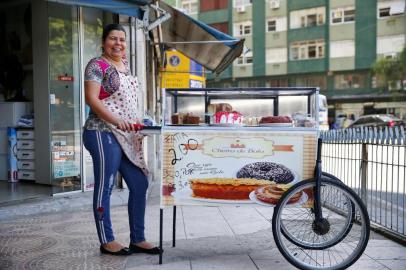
(214, 167)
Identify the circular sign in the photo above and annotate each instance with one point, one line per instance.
(174, 60)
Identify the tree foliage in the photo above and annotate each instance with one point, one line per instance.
(392, 70)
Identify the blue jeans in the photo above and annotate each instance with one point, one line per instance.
(108, 159)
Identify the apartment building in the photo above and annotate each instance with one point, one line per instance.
(331, 44)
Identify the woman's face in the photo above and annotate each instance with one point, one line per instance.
(114, 45)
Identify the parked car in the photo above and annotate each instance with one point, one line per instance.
(376, 120)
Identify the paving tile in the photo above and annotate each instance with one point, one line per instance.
(244, 220)
(207, 238)
(383, 243)
(183, 265)
(265, 211)
(273, 264)
(388, 253)
(394, 264)
(367, 265)
(204, 222)
(269, 254)
(234, 262)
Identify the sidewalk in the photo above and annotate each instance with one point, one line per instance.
(60, 234)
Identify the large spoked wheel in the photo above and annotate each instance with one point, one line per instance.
(336, 242)
(349, 209)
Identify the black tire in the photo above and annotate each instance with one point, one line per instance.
(298, 247)
(329, 175)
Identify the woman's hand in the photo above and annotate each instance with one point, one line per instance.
(124, 125)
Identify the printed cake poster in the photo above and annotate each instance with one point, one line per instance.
(229, 167)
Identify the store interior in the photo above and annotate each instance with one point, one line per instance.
(16, 88)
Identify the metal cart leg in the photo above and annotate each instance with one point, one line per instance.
(174, 227)
(161, 225)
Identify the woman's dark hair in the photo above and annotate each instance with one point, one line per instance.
(111, 27)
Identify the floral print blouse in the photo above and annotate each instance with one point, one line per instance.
(109, 83)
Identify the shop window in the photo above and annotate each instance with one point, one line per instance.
(245, 59)
(189, 6)
(342, 15)
(208, 5)
(391, 8)
(311, 49)
(243, 29)
(346, 81)
(222, 27)
(307, 17)
(310, 81)
(277, 83)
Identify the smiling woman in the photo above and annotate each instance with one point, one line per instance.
(112, 139)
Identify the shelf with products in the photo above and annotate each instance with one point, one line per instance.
(242, 108)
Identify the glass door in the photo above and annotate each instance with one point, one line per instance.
(93, 23)
(64, 83)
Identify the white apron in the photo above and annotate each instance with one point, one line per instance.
(125, 103)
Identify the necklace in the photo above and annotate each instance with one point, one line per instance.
(113, 63)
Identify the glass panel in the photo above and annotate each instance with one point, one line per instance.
(93, 23)
(64, 97)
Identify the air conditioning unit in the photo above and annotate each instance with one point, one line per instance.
(274, 4)
(240, 9)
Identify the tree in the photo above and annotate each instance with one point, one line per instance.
(392, 70)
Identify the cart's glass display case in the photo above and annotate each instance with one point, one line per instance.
(242, 107)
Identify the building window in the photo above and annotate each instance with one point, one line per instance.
(311, 49)
(390, 45)
(346, 81)
(243, 28)
(342, 15)
(271, 26)
(276, 24)
(208, 5)
(307, 17)
(189, 6)
(276, 55)
(245, 59)
(242, 3)
(342, 48)
(222, 27)
(391, 8)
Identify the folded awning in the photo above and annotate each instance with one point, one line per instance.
(204, 44)
(125, 7)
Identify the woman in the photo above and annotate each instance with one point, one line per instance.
(111, 138)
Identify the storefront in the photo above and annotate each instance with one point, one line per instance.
(53, 42)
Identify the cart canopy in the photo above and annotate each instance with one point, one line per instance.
(206, 45)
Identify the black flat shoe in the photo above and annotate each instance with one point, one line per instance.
(136, 249)
(121, 252)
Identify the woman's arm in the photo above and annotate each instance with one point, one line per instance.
(92, 91)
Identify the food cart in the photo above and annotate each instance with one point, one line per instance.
(257, 146)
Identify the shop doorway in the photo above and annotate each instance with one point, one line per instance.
(16, 97)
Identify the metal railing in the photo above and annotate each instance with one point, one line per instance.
(372, 161)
